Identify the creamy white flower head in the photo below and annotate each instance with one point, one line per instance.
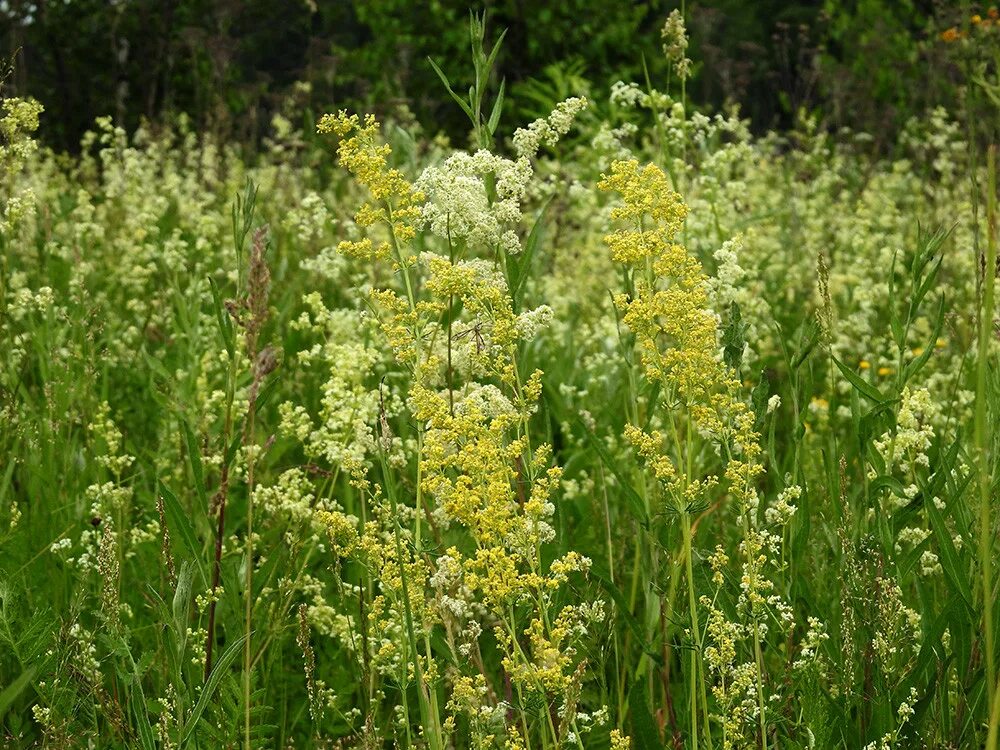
(487, 400)
(548, 130)
(530, 322)
(627, 94)
(459, 205)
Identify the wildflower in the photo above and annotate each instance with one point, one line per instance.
(929, 564)
(460, 208)
(620, 741)
(548, 130)
(394, 201)
(677, 340)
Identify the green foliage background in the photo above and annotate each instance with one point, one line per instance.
(229, 64)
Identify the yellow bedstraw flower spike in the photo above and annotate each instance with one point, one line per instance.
(667, 308)
(620, 741)
(394, 200)
(675, 330)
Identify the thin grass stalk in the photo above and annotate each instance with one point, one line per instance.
(219, 501)
(983, 439)
(263, 363)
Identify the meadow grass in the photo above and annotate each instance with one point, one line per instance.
(620, 428)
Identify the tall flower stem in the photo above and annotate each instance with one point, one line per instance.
(697, 663)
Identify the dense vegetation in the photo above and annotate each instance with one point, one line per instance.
(230, 64)
(622, 426)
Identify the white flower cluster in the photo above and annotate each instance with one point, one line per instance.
(25, 302)
(310, 219)
(628, 95)
(608, 145)
(485, 400)
(548, 130)
(809, 651)
(781, 512)
(341, 432)
(460, 207)
(914, 433)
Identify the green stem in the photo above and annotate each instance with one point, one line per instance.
(983, 433)
(697, 667)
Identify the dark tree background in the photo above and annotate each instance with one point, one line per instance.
(229, 63)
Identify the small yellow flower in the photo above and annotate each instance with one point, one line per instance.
(977, 19)
(620, 741)
(883, 371)
(394, 200)
(949, 35)
(865, 364)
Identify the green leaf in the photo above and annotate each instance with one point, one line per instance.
(805, 349)
(600, 575)
(644, 733)
(10, 693)
(898, 335)
(444, 79)
(949, 558)
(522, 265)
(496, 49)
(222, 319)
(494, 120)
(759, 397)
(863, 387)
(734, 338)
(177, 520)
(142, 716)
(194, 459)
(890, 483)
(926, 284)
(917, 364)
(211, 685)
(181, 606)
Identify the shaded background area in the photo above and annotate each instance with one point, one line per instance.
(229, 64)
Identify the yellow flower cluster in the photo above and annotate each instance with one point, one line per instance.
(953, 34)
(551, 660)
(675, 331)
(342, 532)
(620, 741)
(394, 200)
(667, 309)
(18, 120)
(485, 487)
